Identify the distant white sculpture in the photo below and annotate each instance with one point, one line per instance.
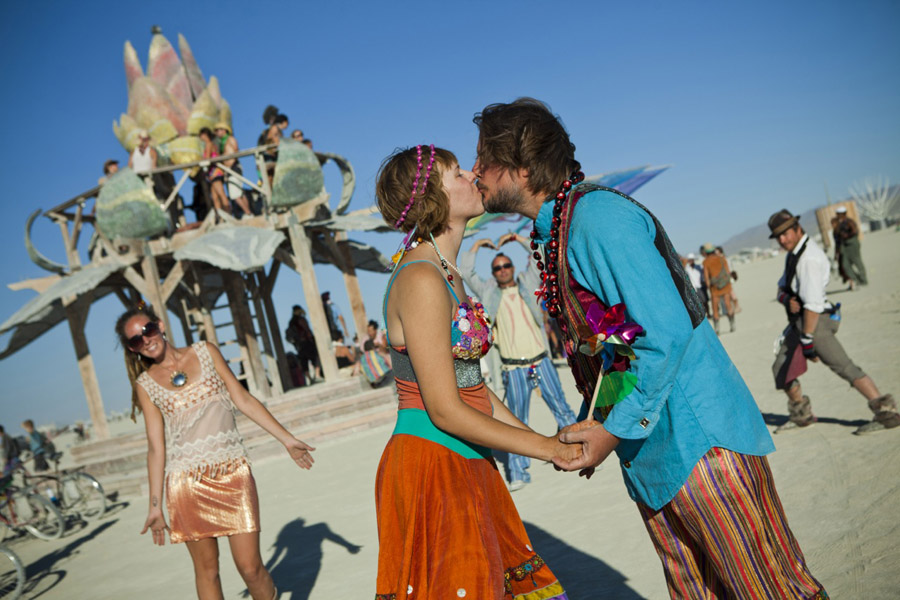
(875, 198)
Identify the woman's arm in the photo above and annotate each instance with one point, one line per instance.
(156, 466)
(258, 413)
(503, 414)
(424, 309)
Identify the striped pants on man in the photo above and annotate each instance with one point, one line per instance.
(724, 535)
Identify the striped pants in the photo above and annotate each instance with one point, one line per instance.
(724, 535)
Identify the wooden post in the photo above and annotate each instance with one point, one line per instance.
(246, 334)
(302, 255)
(351, 282)
(262, 323)
(76, 314)
(152, 287)
(205, 320)
(266, 283)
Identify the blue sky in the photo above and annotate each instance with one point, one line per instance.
(758, 106)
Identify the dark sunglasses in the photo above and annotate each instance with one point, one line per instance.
(136, 342)
(501, 267)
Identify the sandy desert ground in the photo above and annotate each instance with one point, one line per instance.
(841, 491)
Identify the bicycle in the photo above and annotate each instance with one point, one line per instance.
(72, 490)
(23, 508)
(12, 574)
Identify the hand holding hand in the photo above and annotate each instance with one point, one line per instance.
(156, 523)
(597, 443)
(300, 452)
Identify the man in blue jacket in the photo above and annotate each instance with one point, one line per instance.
(689, 436)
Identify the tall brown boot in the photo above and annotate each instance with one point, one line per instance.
(886, 415)
(801, 415)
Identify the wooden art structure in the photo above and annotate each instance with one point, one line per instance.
(208, 275)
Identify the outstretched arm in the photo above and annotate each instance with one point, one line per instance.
(259, 414)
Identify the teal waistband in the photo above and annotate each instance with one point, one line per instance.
(415, 421)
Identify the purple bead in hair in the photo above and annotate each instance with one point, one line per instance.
(412, 196)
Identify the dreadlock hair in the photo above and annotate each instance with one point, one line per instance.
(135, 362)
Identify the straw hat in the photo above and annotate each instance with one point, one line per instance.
(223, 125)
(781, 222)
(708, 248)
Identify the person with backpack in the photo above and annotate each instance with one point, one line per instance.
(717, 275)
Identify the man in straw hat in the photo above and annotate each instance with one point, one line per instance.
(680, 418)
(813, 322)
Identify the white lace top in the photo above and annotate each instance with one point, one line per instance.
(201, 433)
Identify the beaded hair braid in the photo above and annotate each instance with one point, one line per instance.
(415, 189)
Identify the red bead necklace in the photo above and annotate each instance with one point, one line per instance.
(549, 290)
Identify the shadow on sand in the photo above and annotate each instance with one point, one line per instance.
(583, 575)
(776, 420)
(297, 557)
(41, 577)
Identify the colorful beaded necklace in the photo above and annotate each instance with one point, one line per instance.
(549, 290)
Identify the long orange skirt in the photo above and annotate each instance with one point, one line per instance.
(212, 506)
(447, 526)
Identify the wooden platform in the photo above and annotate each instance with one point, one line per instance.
(315, 414)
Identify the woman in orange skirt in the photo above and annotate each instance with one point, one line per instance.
(188, 396)
(447, 526)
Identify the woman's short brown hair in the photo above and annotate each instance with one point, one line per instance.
(430, 209)
(525, 135)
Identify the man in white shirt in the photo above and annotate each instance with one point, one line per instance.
(810, 335)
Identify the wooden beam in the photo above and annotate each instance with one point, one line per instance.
(342, 254)
(76, 314)
(267, 337)
(303, 264)
(246, 334)
(266, 284)
(172, 279)
(153, 289)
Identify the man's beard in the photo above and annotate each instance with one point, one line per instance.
(504, 200)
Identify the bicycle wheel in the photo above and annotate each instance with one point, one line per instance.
(12, 574)
(83, 494)
(40, 517)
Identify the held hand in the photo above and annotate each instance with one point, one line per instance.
(794, 306)
(156, 523)
(300, 452)
(596, 443)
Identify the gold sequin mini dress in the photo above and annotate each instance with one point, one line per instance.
(210, 491)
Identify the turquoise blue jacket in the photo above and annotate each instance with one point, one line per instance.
(689, 396)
